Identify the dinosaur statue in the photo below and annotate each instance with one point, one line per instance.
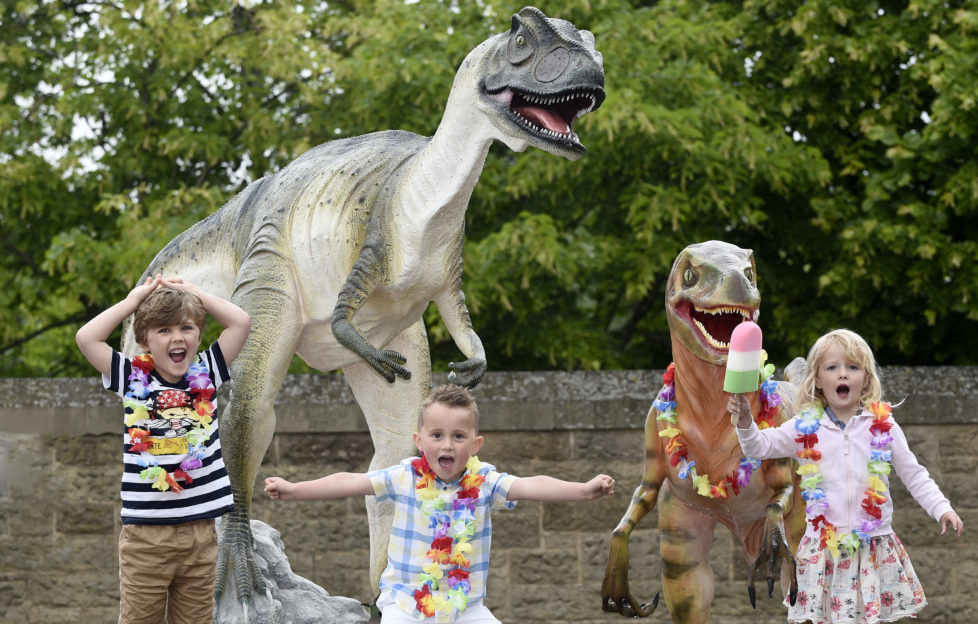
(337, 256)
(694, 467)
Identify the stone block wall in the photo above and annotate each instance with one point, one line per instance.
(60, 450)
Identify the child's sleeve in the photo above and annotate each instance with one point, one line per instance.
(214, 359)
(916, 477)
(769, 443)
(119, 372)
(389, 481)
(497, 489)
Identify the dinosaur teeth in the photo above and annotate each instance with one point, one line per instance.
(717, 344)
(723, 310)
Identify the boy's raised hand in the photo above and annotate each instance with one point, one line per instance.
(177, 283)
(278, 488)
(140, 292)
(601, 485)
(92, 336)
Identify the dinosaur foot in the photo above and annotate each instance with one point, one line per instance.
(628, 608)
(238, 570)
(277, 594)
(752, 593)
(468, 373)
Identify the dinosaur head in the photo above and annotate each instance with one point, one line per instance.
(537, 79)
(712, 288)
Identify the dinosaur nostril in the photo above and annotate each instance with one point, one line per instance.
(552, 66)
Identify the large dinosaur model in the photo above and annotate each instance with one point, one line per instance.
(694, 467)
(337, 256)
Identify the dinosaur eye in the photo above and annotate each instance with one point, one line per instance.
(520, 47)
(689, 277)
(749, 274)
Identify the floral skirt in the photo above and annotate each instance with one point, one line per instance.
(876, 584)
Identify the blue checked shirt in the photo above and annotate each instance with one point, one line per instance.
(411, 536)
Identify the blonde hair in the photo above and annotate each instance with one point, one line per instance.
(450, 395)
(165, 307)
(856, 350)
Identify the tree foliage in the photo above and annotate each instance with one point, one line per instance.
(833, 138)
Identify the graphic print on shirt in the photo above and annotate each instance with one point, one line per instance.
(173, 470)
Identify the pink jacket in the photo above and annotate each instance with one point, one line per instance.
(843, 468)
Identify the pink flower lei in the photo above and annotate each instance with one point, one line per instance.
(138, 404)
(452, 519)
(807, 424)
(678, 453)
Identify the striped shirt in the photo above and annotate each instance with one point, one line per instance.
(411, 536)
(209, 496)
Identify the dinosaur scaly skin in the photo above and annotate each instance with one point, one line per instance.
(712, 288)
(337, 256)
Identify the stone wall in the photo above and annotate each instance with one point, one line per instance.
(59, 509)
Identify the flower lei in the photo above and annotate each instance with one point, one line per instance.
(137, 403)
(807, 424)
(679, 454)
(452, 517)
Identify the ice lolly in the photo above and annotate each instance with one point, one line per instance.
(743, 359)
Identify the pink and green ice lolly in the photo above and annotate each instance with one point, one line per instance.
(743, 359)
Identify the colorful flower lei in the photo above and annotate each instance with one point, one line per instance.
(138, 403)
(452, 518)
(679, 455)
(807, 424)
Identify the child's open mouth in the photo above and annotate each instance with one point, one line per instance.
(178, 355)
(446, 463)
(842, 391)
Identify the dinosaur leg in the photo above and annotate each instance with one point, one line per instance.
(248, 426)
(391, 412)
(616, 593)
(685, 542)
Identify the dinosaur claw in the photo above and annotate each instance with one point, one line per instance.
(752, 594)
(651, 605)
(770, 587)
(793, 595)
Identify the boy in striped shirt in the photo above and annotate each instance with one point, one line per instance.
(174, 482)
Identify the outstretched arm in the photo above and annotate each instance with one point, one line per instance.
(337, 485)
(234, 320)
(551, 490)
(92, 336)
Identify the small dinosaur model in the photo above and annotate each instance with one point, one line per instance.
(694, 467)
(337, 256)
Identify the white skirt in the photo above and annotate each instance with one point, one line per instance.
(876, 584)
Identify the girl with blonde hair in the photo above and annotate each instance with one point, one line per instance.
(851, 566)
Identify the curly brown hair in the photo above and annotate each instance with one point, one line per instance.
(165, 307)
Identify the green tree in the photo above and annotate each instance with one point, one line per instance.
(831, 137)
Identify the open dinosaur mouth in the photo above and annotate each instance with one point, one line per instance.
(715, 325)
(552, 116)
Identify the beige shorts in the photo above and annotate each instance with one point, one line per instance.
(167, 570)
